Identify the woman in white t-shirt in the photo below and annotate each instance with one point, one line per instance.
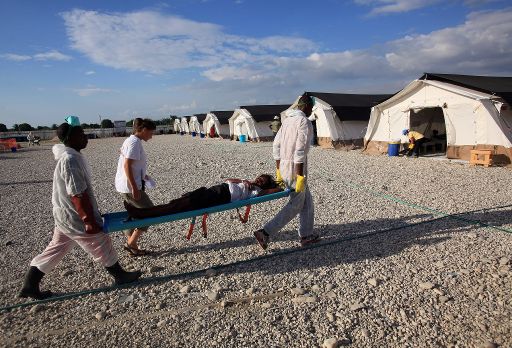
(131, 177)
(231, 190)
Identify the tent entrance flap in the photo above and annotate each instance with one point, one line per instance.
(431, 123)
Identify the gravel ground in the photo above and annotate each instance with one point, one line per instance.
(388, 273)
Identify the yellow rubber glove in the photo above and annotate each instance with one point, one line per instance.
(300, 184)
(278, 175)
(279, 179)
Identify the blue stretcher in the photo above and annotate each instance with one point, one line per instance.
(119, 221)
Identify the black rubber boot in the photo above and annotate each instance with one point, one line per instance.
(31, 285)
(121, 276)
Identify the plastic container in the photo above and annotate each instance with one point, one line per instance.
(181, 133)
(13, 149)
(201, 135)
(242, 138)
(193, 134)
(393, 148)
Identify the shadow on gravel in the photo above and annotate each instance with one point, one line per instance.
(357, 241)
(342, 244)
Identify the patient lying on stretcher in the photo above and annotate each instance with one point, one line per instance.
(231, 190)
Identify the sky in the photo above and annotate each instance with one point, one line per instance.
(131, 58)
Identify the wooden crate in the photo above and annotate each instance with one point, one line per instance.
(483, 157)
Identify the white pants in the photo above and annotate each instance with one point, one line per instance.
(299, 204)
(98, 245)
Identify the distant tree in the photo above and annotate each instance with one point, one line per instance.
(85, 126)
(16, 127)
(129, 123)
(54, 126)
(42, 127)
(3, 127)
(106, 123)
(165, 121)
(94, 125)
(24, 127)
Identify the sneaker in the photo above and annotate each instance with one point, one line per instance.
(314, 238)
(262, 238)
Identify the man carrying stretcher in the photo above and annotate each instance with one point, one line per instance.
(231, 190)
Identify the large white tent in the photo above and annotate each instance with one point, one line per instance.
(254, 121)
(177, 125)
(220, 121)
(471, 112)
(195, 122)
(184, 124)
(340, 120)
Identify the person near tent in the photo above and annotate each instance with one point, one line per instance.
(313, 119)
(416, 139)
(30, 138)
(290, 151)
(131, 177)
(275, 125)
(76, 215)
(212, 132)
(231, 190)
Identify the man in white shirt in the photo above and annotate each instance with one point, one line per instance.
(76, 214)
(290, 151)
(131, 177)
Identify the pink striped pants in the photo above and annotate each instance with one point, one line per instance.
(98, 245)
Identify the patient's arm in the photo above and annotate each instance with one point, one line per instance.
(269, 191)
(233, 180)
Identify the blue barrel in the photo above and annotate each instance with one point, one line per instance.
(393, 148)
(193, 134)
(201, 135)
(242, 138)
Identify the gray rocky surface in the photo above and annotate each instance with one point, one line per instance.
(365, 237)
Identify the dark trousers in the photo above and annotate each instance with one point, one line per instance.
(198, 199)
(416, 148)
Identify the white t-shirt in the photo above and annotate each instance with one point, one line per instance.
(132, 149)
(71, 177)
(240, 191)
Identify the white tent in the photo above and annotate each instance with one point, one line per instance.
(177, 125)
(184, 124)
(218, 120)
(254, 121)
(194, 124)
(472, 112)
(340, 120)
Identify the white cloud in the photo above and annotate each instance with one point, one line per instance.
(90, 72)
(172, 109)
(481, 44)
(275, 69)
(88, 91)
(400, 6)
(395, 6)
(15, 57)
(50, 55)
(152, 42)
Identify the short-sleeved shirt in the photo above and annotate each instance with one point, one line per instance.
(70, 178)
(415, 135)
(241, 191)
(132, 149)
